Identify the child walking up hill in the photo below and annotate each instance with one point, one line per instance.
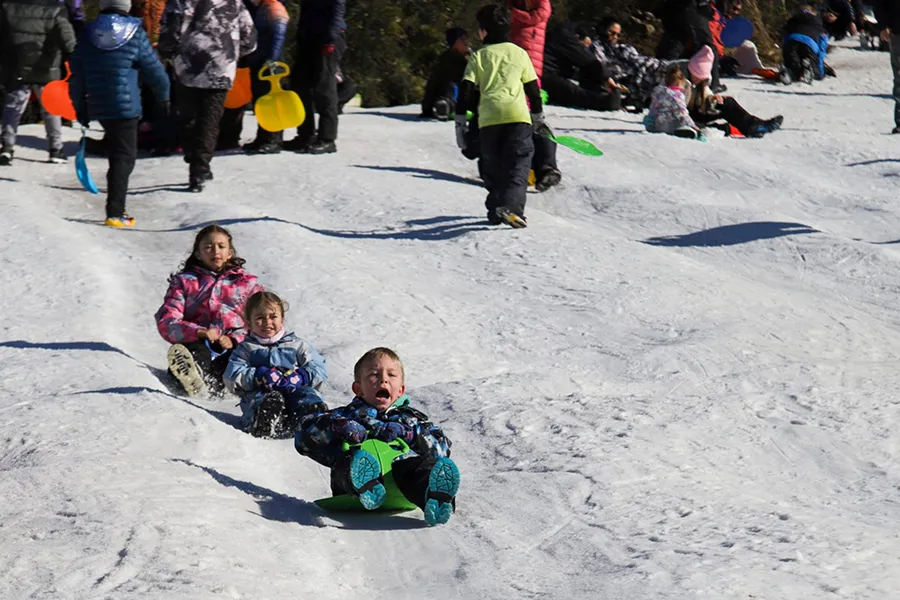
(502, 75)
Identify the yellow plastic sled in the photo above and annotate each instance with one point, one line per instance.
(279, 109)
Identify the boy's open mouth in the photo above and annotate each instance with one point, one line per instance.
(383, 394)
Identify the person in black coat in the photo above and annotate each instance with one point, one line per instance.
(35, 35)
(887, 13)
(320, 46)
(567, 57)
(447, 74)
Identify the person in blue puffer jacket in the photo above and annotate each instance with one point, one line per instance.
(110, 54)
(276, 374)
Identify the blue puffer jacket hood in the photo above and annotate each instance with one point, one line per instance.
(112, 31)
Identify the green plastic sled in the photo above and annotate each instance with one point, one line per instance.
(394, 501)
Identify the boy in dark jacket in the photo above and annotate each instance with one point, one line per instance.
(111, 53)
(804, 48)
(320, 47)
(35, 35)
(887, 13)
(503, 76)
(426, 476)
(443, 84)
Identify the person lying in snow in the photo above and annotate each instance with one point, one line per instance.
(276, 374)
(202, 315)
(381, 410)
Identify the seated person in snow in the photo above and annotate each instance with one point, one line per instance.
(276, 374)
(636, 73)
(707, 108)
(380, 410)
(567, 59)
(441, 89)
(842, 17)
(668, 109)
(804, 48)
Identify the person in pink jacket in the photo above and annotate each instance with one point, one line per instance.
(202, 313)
(527, 30)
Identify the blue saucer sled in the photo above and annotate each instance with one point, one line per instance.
(737, 31)
(394, 501)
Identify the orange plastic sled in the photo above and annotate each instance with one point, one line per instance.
(55, 98)
(240, 93)
(279, 109)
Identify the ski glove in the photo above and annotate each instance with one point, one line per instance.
(461, 127)
(348, 431)
(267, 378)
(537, 119)
(292, 380)
(391, 431)
(327, 49)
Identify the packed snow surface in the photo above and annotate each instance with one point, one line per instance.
(679, 382)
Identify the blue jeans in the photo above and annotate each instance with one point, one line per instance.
(14, 105)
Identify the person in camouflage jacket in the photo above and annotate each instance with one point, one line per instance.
(204, 40)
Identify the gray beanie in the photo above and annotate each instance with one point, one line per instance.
(120, 5)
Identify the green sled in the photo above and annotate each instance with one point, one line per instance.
(577, 144)
(394, 501)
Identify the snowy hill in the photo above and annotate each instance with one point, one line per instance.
(679, 382)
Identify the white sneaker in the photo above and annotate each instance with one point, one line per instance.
(185, 370)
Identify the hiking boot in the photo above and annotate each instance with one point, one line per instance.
(185, 370)
(365, 477)
(119, 222)
(442, 109)
(510, 218)
(493, 219)
(784, 76)
(197, 181)
(440, 499)
(763, 127)
(57, 156)
(808, 75)
(306, 409)
(298, 144)
(269, 413)
(895, 130)
(259, 147)
(323, 147)
(548, 178)
(6, 157)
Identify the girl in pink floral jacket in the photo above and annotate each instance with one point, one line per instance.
(202, 314)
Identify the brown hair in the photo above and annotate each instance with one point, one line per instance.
(675, 76)
(192, 261)
(261, 300)
(374, 354)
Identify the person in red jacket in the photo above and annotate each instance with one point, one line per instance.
(527, 29)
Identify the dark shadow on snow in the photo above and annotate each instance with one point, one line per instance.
(166, 187)
(731, 235)
(9, 179)
(459, 226)
(410, 118)
(132, 389)
(790, 93)
(619, 131)
(272, 505)
(420, 173)
(875, 161)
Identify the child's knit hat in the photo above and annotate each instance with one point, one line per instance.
(701, 64)
(455, 33)
(120, 5)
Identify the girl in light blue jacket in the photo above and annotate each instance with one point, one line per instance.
(276, 374)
